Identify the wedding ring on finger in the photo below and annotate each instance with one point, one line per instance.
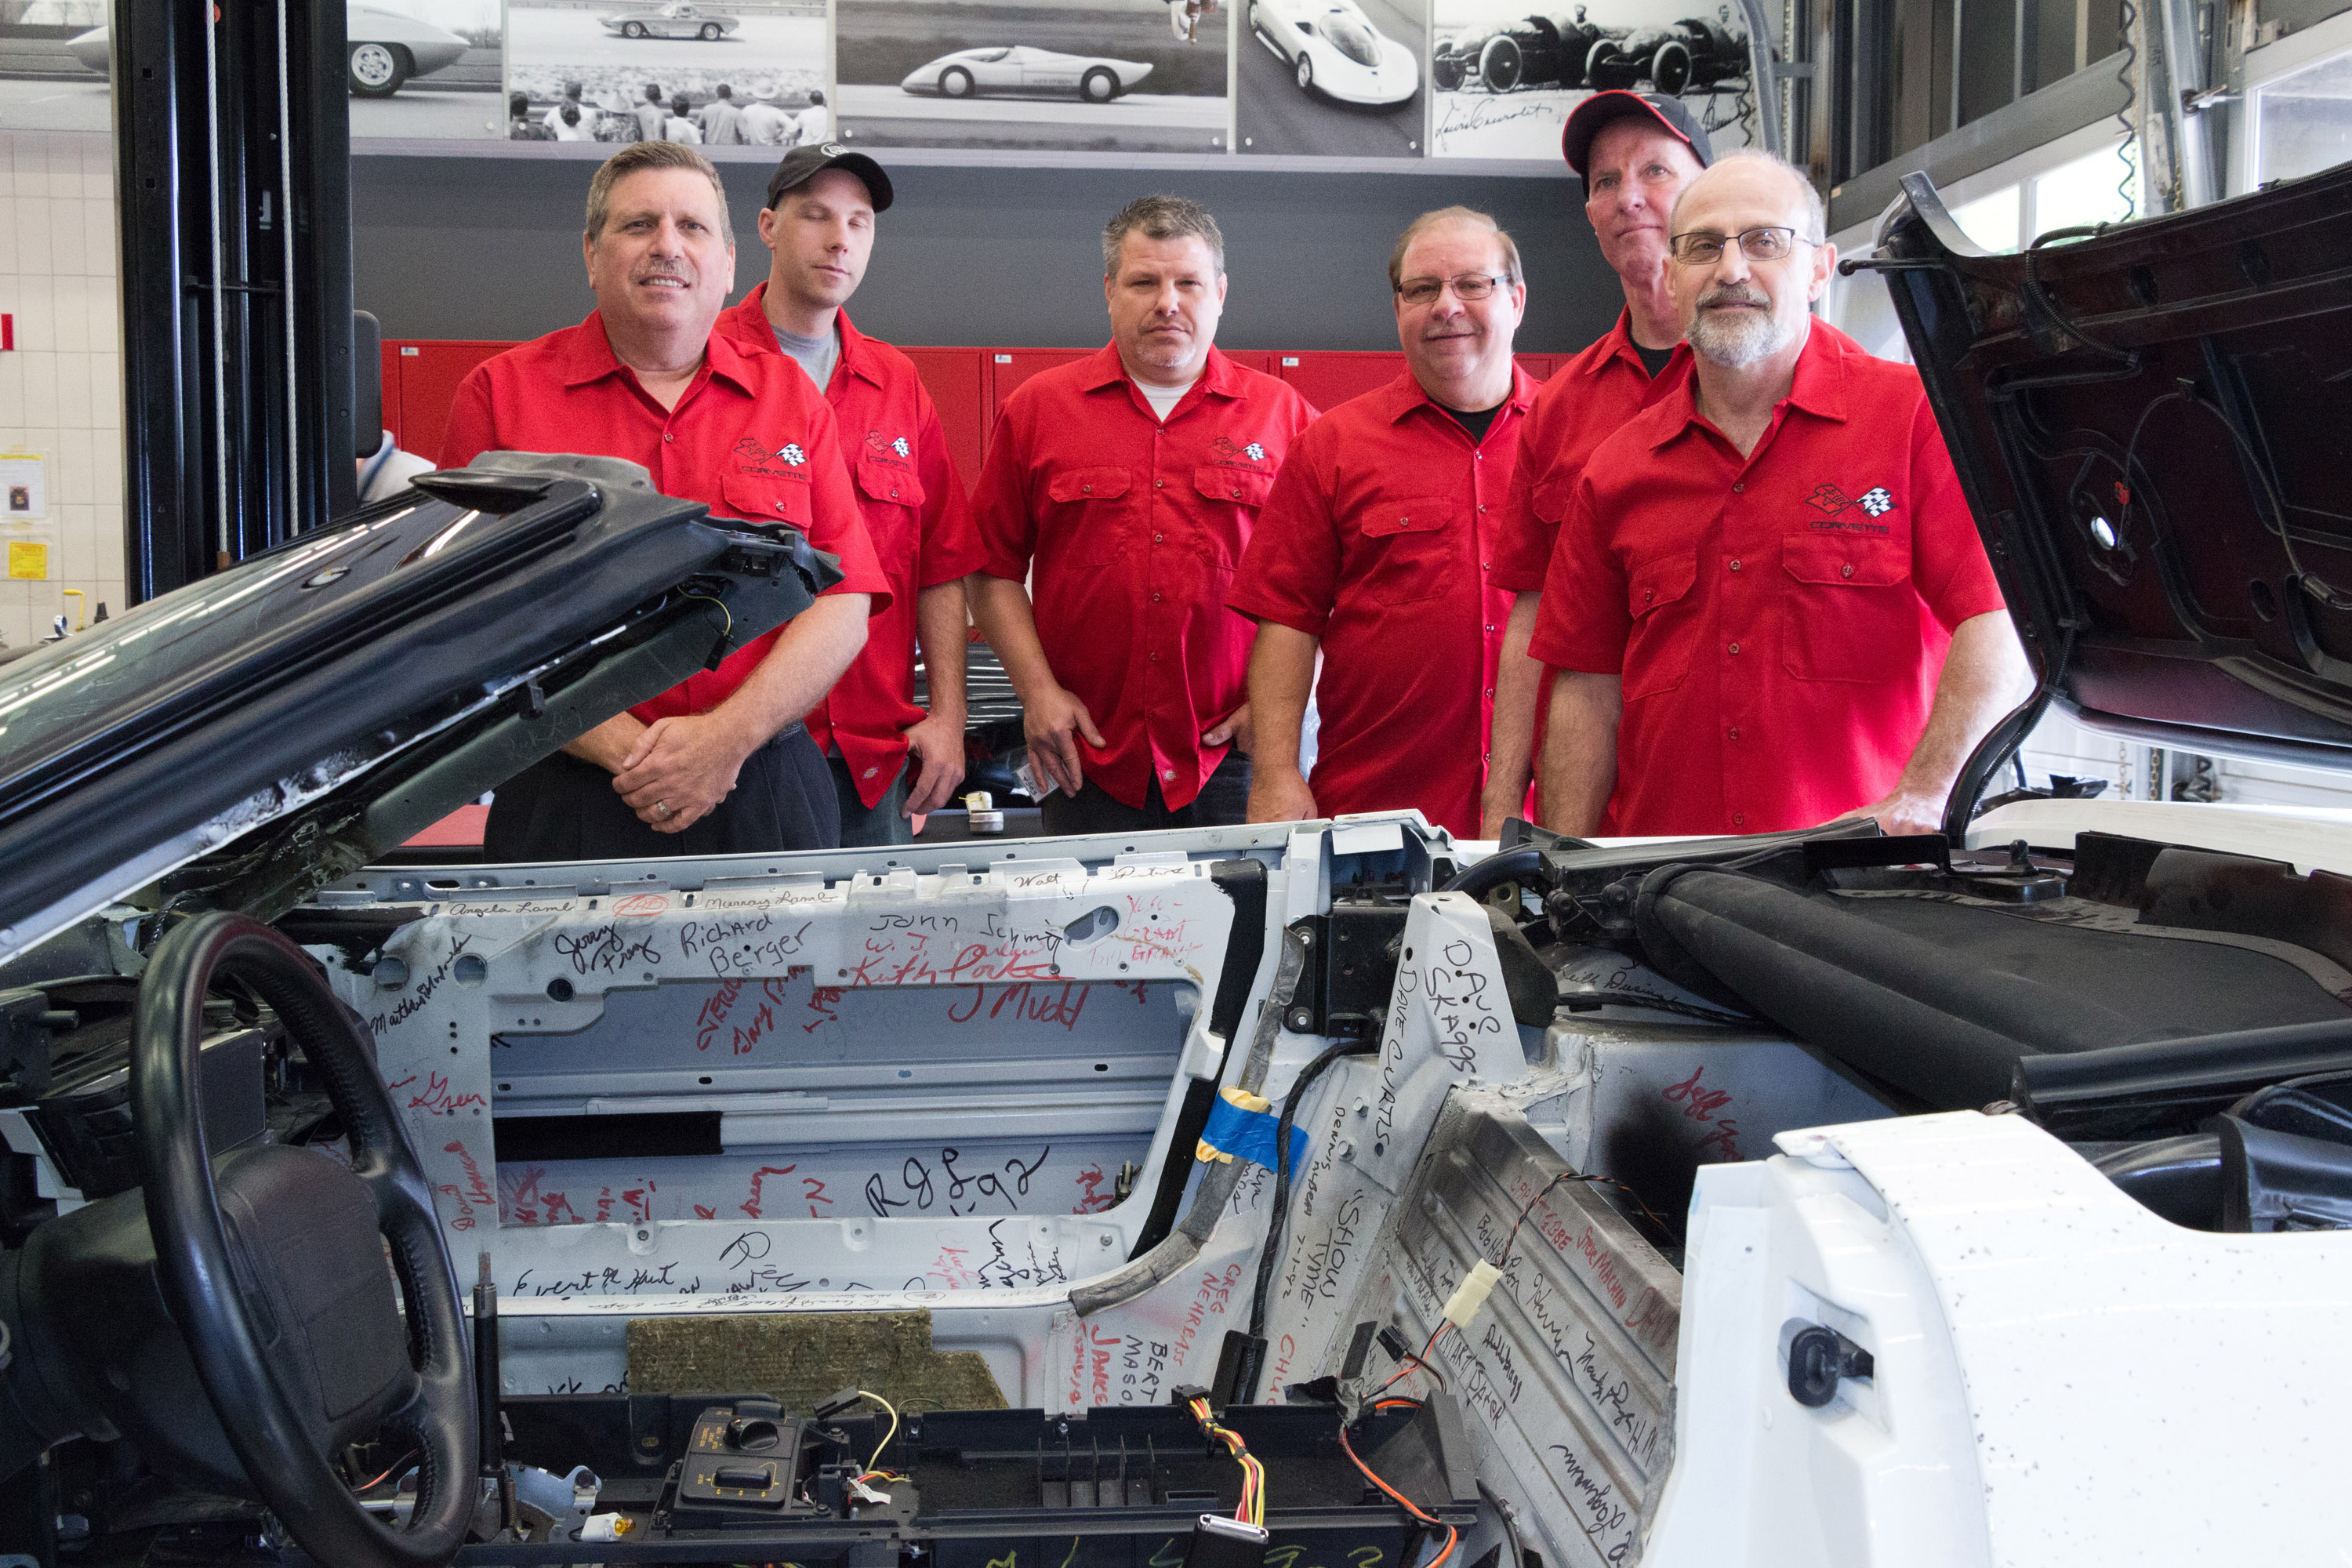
(662, 810)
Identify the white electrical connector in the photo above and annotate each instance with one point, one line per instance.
(606, 1527)
(1471, 1295)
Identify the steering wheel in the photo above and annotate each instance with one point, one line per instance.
(283, 1306)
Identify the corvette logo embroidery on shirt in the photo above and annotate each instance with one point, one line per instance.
(1834, 501)
(878, 443)
(1241, 457)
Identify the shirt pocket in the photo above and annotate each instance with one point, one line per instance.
(1233, 498)
(1408, 547)
(1552, 497)
(880, 481)
(758, 499)
(1091, 504)
(1852, 612)
(1665, 627)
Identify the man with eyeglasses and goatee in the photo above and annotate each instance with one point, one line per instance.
(1768, 605)
(1377, 551)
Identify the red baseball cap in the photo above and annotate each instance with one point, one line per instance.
(1667, 113)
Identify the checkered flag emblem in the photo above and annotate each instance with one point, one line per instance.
(1257, 453)
(793, 455)
(899, 445)
(1876, 501)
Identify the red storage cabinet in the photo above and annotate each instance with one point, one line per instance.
(1329, 377)
(957, 380)
(429, 374)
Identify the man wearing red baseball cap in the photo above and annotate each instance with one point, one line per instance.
(1634, 152)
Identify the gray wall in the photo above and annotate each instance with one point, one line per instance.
(489, 248)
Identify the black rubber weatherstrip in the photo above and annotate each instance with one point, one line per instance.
(1243, 882)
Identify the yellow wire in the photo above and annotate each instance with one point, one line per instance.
(723, 631)
(873, 1464)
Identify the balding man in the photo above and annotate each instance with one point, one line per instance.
(1377, 551)
(1634, 151)
(720, 764)
(1768, 605)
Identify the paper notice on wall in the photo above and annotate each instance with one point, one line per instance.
(23, 487)
(28, 558)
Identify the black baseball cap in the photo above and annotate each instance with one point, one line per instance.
(1576, 137)
(803, 164)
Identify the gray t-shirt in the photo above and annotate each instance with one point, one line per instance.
(815, 355)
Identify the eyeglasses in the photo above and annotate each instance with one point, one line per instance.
(1771, 243)
(1467, 287)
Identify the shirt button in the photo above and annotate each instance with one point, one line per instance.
(1490, 693)
(1086, 490)
(894, 495)
(1482, 506)
(1734, 564)
(1155, 658)
(1738, 819)
(1845, 571)
(871, 772)
(1155, 538)
(1490, 629)
(1155, 598)
(1735, 647)
(1168, 772)
(668, 436)
(1738, 487)
(1237, 495)
(1648, 594)
(1735, 731)
(1160, 484)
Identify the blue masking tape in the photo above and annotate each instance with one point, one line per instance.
(1249, 1135)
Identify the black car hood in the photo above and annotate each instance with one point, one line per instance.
(2152, 428)
(275, 725)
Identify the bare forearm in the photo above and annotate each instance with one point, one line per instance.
(1519, 693)
(807, 659)
(1000, 608)
(1580, 750)
(940, 625)
(1281, 678)
(1985, 675)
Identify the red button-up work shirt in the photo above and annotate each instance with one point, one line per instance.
(745, 440)
(916, 513)
(1778, 621)
(1580, 406)
(1135, 528)
(1380, 540)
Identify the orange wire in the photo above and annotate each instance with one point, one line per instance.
(1453, 1536)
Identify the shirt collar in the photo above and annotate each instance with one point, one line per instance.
(1817, 386)
(590, 356)
(1220, 376)
(1402, 395)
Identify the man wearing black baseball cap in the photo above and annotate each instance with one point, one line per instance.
(1634, 151)
(890, 761)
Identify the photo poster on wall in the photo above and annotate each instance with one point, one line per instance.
(711, 74)
(1503, 79)
(416, 68)
(1085, 76)
(1332, 77)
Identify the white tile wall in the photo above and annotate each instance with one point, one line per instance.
(61, 389)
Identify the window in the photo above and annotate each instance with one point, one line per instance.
(1995, 221)
(2302, 121)
(2089, 190)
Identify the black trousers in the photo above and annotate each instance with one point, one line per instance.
(1223, 801)
(561, 808)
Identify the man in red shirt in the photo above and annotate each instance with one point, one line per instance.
(1634, 152)
(1131, 481)
(721, 762)
(1768, 606)
(819, 222)
(1377, 550)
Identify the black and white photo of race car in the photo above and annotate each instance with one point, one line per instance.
(1693, 54)
(1018, 70)
(384, 50)
(1332, 48)
(1536, 49)
(678, 20)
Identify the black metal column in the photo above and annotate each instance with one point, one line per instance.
(233, 163)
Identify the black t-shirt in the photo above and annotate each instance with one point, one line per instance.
(1476, 424)
(1652, 360)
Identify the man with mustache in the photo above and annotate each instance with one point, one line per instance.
(1634, 151)
(1131, 481)
(720, 764)
(1377, 551)
(1768, 605)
